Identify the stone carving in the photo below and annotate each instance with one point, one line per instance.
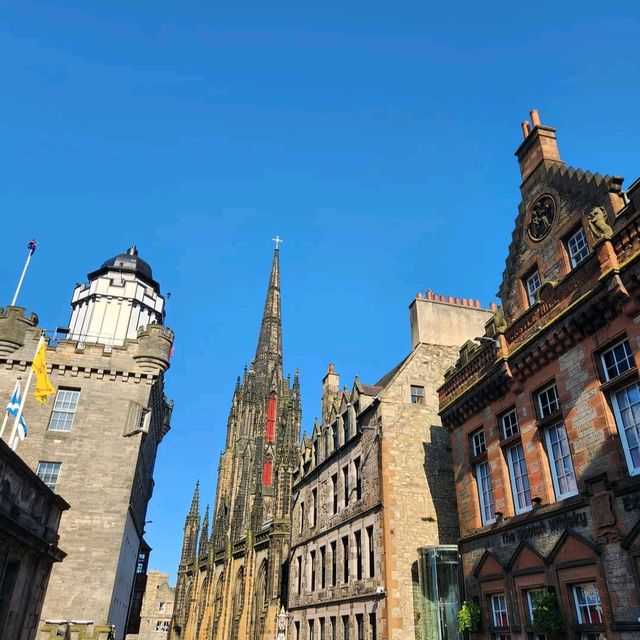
(500, 320)
(542, 216)
(598, 224)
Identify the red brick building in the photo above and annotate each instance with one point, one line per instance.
(544, 412)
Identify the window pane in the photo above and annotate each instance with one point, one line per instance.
(533, 284)
(617, 360)
(519, 479)
(577, 247)
(417, 394)
(564, 479)
(485, 492)
(587, 602)
(510, 424)
(64, 409)
(548, 402)
(48, 472)
(627, 414)
(499, 610)
(478, 444)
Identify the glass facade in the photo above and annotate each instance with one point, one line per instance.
(440, 589)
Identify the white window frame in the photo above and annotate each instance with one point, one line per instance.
(587, 606)
(485, 490)
(545, 390)
(518, 475)
(50, 475)
(417, 394)
(627, 360)
(552, 461)
(532, 291)
(577, 247)
(478, 444)
(620, 412)
(509, 420)
(530, 605)
(64, 410)
(501, 600)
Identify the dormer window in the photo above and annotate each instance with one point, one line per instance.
(577, 247)
(532, 284)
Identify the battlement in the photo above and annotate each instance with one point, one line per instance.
(75, 630)
(19, 334)
(446, 320)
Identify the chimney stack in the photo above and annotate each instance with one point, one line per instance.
(330, 390)
(540, 146)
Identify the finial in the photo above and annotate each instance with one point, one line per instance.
(133, 250)
(278, 240)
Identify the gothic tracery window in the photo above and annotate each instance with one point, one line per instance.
(270, 429)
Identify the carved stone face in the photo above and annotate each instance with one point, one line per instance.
(542, 215)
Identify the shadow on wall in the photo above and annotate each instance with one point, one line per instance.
(438, 471)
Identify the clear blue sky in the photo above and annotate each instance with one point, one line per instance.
(376, 138)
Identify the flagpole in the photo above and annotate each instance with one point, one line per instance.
(32, 248)
(13, 440)
(6, 413)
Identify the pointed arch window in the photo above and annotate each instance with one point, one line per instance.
(267, 471)
(270, 429)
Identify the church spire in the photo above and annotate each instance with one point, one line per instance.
(269, 351)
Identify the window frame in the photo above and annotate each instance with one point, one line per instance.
(472, 443)
(503, 428)
(513, 478)
(532, 295)
(501, 611)
(540, 412)
(417, 394)
(567, 242)
(56, 412)
(481, 494)
(620, 426)
(58, 468)
(577, 607)
(629, 357)
(552, 463)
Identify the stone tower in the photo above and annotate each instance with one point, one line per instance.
(232, 587)
(95, 442)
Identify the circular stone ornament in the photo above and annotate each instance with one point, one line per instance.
(541, 218)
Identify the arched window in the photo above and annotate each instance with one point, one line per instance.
(217, 605)
(267, 471)
(238, 602)
(260, 600)
(202, 601)
(270, 429)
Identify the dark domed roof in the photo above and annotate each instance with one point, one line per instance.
(129, 261)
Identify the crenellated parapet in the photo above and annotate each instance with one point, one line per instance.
(14, 325)
(154, 346)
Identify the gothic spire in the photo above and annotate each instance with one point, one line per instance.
(204, 532)
(194, 511)
(269, 351)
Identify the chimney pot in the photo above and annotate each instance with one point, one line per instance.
(477, 304)
(429, 295)
(494, 306)
(535, 117)
(458, 301)
(451, 300)
(419, 295)
(525, 128)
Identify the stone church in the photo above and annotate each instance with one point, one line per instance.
(232, 581)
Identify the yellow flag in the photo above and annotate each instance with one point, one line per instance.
(44, 388)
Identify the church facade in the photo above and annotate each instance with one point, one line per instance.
(232, 580)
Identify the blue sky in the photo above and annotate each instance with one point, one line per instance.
(376, 138)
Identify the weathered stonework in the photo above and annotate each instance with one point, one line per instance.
(106, 457)
(232, 582)
(573, 521)
(374, 484)
(29, 519)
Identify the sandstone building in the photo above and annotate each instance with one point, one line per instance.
(544, 414)
(374, 528)
(95, 442)
(29, 518)
(157, 608)
(231, 583)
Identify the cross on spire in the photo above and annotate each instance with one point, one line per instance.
(278, 240)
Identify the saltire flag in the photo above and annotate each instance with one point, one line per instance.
(32, 245)
(12, 409)
(44, 388)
